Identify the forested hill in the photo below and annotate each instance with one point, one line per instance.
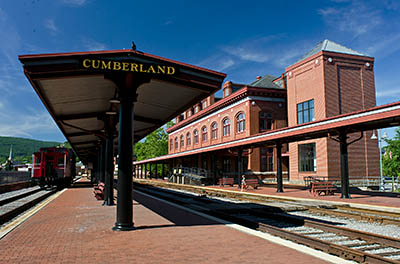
(23, 148)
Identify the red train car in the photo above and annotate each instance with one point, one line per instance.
(53, 166)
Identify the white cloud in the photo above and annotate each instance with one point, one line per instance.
(27, 124)
(247, 54)
(217, 62)
(356, 18)
(11, 40)
(51, 26)
(75, 2)
(93, 45)
(394, 93)
(386, 45)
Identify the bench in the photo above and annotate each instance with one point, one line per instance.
(325, 187)
(252, 182)
(225, 181)
(99, 191)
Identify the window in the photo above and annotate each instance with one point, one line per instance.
(196, 136)
(176, 143)
(204, 104)
(305, 112)
(266, 159)
(182, 141)
(266, 121)
(188, 140)
(214, 130)
(196, 109)
(226, 164)
(307, 157)
(171, 145)
(204, 134)
(226, 92)
(240, 123)
(227, 127)
(189, 113)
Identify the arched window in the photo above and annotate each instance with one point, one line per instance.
(188, 139)
(196, 136)
(176, 142)
(182, 141)
(171, 144)
(227, 126)
(240, 122)
(214, 130)
(204, 134)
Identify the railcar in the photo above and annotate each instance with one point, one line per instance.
(53, 166)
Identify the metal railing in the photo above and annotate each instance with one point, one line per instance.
(7, 177)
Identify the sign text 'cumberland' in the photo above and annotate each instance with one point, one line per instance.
(110, 65)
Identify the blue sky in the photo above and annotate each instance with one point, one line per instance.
(241, 38)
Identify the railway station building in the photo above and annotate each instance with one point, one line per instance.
(329, 80)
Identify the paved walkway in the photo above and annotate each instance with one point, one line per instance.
(75, 228)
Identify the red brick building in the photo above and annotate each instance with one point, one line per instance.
(329, 80)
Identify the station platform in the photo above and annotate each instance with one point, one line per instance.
(73, 227)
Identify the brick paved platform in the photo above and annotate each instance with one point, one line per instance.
(75, 228)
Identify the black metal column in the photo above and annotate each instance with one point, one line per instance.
(239, 173)
(102, 161)
(344, 165)
(151, 170)
(127, 87)
(109, 162)
(279, 181)
(141, 171)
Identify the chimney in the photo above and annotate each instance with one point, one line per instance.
(259, 77)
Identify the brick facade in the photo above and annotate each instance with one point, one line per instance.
(336, 83)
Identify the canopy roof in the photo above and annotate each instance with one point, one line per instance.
(76, 89)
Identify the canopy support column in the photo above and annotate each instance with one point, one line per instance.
(279, 181)
(239, 174)
(127, 91)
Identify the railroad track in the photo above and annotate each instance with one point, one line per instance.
(326, 236)
(16, 202)
(320, 208)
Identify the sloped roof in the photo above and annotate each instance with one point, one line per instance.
(328, 45)
(266, 82)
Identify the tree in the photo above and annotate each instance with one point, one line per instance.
(391, 158)
(154, 145)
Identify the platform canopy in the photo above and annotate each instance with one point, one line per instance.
(80, 90)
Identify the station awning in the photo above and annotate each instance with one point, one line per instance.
(79, 89)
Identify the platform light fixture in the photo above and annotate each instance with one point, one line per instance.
(111, 113)
(114, 100)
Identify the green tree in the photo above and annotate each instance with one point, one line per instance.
(391, 158)
(154, 145)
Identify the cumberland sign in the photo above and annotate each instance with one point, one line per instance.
(110, 65)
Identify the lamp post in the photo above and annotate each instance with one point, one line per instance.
(381, 186)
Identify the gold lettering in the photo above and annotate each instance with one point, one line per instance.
(160, 69)
(151, 68)
(94, 64)
(125, 66)
(170, 70)
(134, 67)
(117, 66)
(141, 68)
(105, 65)
(86, 63)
